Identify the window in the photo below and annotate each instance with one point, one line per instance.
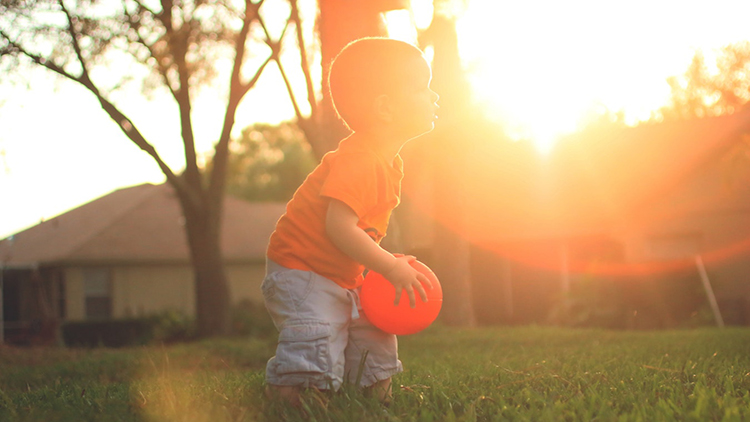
(97, 290)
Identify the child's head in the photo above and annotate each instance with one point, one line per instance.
(369, 68)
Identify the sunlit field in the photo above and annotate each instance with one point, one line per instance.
(491, 374)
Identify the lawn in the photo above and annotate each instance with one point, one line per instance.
(488, 374)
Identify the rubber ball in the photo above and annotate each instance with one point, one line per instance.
(378, 295)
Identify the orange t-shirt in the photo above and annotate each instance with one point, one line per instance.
(355, 175)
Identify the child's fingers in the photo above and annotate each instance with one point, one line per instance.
(412, 298)
(425, 280)
(422, 293)
(410, 293)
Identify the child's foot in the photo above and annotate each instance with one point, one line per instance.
(382, 391)
(286, 393)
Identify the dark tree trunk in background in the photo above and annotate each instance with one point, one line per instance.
(341, 22)
(212, 295)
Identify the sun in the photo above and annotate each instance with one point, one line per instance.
(512, 81)
(539, 74)
(544, 69)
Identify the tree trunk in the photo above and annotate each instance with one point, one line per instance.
(212, 296)
(341, 22)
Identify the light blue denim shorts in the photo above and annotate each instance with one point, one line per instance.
(323, 333)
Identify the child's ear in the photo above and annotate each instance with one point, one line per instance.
(383, 108)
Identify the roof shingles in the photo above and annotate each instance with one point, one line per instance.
(140, 224)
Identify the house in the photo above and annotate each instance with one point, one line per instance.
(124, 255)
(646, 220)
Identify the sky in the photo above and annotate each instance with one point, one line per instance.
(539, 67)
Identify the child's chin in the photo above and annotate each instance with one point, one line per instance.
(419, 131)
(424, 132)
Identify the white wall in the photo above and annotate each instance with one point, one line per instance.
(149, 289)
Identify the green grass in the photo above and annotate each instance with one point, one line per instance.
(489, 374)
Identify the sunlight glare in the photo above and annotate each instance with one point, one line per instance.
(401, 25)
(540, 67)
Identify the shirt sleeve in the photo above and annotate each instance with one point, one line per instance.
(353, 180)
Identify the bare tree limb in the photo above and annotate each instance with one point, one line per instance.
(237, 90)
(165, 16)
(76, 44)
(172, 32)
(294, 16)
(275, 47)
(159, 63)
(179, 53)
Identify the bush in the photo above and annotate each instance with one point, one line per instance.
(108, 333)
(171, 326)
(251, 319)
(653, 302)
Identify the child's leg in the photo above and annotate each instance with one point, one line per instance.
(380, 352)
(311, 314)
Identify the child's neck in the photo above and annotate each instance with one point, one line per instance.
(385, 144)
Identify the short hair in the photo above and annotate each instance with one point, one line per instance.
(363, 70)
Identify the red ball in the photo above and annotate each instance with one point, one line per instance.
(377, 297)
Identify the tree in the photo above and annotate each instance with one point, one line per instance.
(700, 92)
(178, 43)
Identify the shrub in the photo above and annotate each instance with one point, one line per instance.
(109, 333)
(171, 326)
(251, 319)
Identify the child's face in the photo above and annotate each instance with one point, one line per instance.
(415, 105)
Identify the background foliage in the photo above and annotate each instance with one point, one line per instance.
(268, 162)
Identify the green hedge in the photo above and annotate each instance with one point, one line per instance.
(248, 320)
(107, 333)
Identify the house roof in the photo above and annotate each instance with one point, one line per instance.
(590, 182)
(139, 224)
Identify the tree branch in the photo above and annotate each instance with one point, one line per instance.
(179, 52)
(294, 16)
(165, 16)
(276, 55)
(135, 24)
(74, 38)
(237, 90)
(288, 85)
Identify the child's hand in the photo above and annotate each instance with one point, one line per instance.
(405, 277)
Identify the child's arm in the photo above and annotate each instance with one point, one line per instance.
(341, 228)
